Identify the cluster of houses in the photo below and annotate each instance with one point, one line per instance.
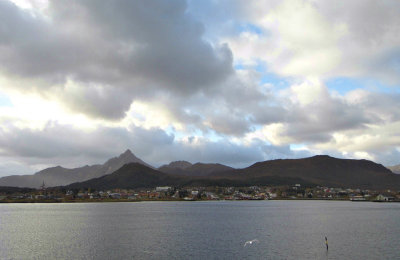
(170, 193)
(340, 194)
(295, 191)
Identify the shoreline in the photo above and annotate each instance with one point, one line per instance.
(173, 200)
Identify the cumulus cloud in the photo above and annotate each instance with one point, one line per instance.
(316, 113)
(114, 51)
(324, 39)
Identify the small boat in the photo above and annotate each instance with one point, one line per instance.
(357, 198)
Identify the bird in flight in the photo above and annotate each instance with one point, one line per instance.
(254, 241)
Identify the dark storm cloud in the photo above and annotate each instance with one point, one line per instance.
(29, 46)
(135, 47)
(155, 40)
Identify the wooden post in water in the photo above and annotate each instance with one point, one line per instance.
(326, 243)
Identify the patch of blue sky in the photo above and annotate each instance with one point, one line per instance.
(213, 136)
(192, 132)
(344, 85)
(170, 130)
(276, 81)
(5, 101)
(239, 66)
(258, 66)
(298, 147)
(251, 28)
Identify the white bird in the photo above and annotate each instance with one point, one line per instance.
(251, 242)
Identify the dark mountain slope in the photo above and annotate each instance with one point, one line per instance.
(324, 170)
(13, 190)
(132, 175)
(135, 175)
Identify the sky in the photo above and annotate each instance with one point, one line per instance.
(214, 81)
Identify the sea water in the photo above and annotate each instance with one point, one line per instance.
(201, 230)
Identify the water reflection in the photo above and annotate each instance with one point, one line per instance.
(199, 230)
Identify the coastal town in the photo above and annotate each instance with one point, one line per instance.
(167, 193)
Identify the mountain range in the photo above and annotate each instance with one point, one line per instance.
(324, 170)
(319, 170)
(185, 168)
(135, 175)
(128, 171)
(58, 176)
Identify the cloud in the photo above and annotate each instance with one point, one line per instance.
(296, 40)
(92, 54)
(68, 146)
(307, 113)
(315, 113)
(388, 158)
(85, 80)
(8, 167)
(324, 39)
(310, 113)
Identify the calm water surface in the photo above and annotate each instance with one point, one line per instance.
(200, 230)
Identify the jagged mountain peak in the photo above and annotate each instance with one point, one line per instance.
(124, 158)
(128, 152)
(55, 176)
(127, 155)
